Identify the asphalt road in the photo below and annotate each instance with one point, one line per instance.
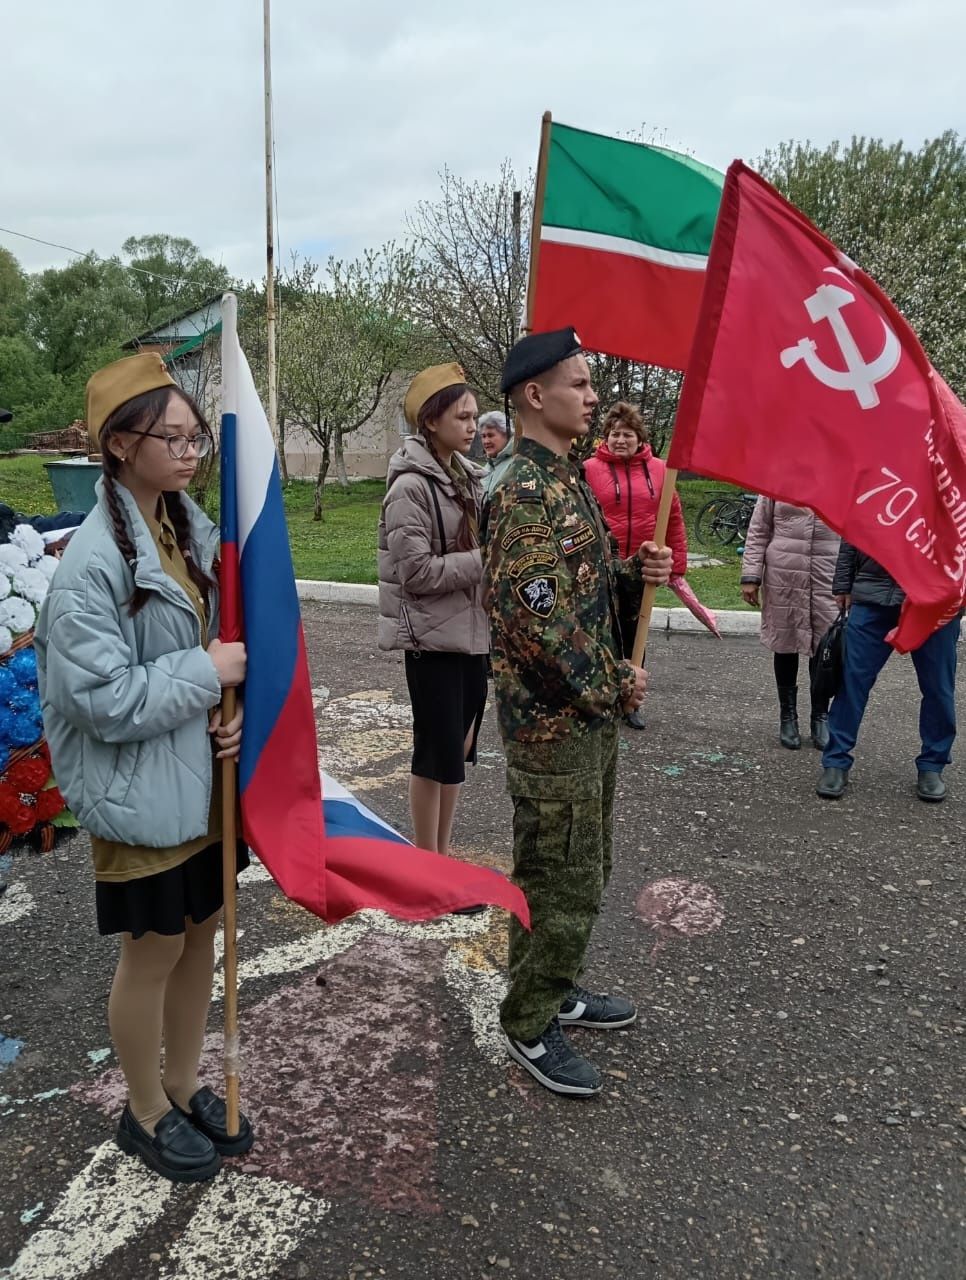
(791, 1103)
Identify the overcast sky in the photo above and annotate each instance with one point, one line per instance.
(123, 119)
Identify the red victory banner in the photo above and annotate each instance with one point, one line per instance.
(806, 384)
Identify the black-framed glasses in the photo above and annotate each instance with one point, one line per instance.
(178, 446)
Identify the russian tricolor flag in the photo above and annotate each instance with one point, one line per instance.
(337, 858)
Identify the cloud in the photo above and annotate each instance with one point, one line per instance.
(132, 119)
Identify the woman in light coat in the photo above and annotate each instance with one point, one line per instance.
(788, 563)
(430, 592)
(497, 440)
(130, 684)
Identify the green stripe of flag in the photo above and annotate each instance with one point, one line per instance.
(634, 192)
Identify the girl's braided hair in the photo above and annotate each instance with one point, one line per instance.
(431, 411)
(143, 413)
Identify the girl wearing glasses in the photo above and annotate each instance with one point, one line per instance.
(131, 676)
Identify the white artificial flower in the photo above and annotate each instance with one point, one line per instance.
(31, 584)
(47, 565)
(17, 614)
(4, 585)
(12, 556)
(29, 540)
(6, 640)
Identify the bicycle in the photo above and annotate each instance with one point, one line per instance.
(724, 518)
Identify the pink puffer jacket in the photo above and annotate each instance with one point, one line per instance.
(430, 595)
(792, 554)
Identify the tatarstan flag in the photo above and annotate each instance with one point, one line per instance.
(624, 241)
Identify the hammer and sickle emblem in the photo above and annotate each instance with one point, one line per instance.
(859, 375)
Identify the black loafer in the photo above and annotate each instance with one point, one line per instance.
(930, 786)
(178, 1151)
(209, 1115)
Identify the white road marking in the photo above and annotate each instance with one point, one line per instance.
(481, 992)
(324, 944)
(16, 903)
(107, 1204)
(243, 1226)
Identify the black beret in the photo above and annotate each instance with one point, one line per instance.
(536, 353)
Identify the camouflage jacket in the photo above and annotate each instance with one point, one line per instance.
(551, 582)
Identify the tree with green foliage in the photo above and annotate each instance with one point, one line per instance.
(341, 339)
(13, 294)
(36, 396)
(74, 310)
(901, 215)
(171, 275)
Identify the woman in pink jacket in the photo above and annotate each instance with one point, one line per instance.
(789, 560)
(430, 592)
(627, 481)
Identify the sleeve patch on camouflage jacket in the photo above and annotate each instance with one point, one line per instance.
(579, 538)
(532, 560)
(539, 595)
(524, 531)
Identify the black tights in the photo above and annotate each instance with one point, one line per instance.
(786, 675)
(786, 670)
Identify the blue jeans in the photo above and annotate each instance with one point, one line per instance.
(866, 653)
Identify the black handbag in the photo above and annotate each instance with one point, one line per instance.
(829, 662)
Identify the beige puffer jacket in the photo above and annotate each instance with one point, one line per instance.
(792, 554)
(430, 595)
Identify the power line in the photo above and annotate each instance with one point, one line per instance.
(52, 244)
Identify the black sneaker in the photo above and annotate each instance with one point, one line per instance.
(178, 1151)
(584, 1009)
(553, 1060)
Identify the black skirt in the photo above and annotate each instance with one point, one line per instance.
(161, 903)
(448, 695)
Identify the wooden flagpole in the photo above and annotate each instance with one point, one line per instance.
(536, 224)
(650, 589)
(229, 777)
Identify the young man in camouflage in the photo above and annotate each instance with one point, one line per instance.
(551, 578)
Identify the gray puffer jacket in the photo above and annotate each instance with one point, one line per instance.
(126, 700)
(430, 594)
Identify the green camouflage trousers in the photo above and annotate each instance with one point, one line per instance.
(563, 807)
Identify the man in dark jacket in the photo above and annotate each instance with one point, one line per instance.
(874, 599)
(552, 574)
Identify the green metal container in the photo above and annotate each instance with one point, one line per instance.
(72, 480)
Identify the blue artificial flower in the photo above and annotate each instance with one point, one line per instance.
(25, 730)
(23, 664)
(24, 702)
(9, 683)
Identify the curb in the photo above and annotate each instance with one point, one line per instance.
(731, 622)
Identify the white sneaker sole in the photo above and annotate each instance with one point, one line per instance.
(595, 1026)
(575, 1090)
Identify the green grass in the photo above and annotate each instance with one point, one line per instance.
(24, 484)
(342, 548)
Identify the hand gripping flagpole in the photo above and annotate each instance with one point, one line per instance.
(650, 588)
(229, 703)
